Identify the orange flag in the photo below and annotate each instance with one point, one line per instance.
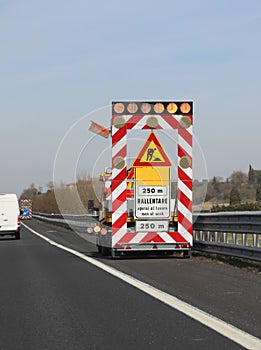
(99, 129)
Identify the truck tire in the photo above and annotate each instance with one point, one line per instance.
(114, 254)
(105, 251)
(17, 235)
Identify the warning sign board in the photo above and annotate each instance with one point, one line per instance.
(152, 202)
(152, 193)
(152, 154)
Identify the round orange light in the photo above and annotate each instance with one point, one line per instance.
(158, 107)
(185, 107)
(103, 231)
(119, 107)
(132, 107)
(145, 108)
(172, 108)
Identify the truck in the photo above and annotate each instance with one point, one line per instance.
(9, 215)
(26, 209)
(140, 211)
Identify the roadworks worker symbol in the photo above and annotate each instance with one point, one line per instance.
(152, 153)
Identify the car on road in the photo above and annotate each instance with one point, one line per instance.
(9, 215)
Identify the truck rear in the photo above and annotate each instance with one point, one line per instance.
(138, 212)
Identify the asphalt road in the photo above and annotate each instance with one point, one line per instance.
(51, 299)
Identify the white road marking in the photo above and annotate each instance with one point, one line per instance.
(227, 330)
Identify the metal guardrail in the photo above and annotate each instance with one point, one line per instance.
(237, 234)
(76, 222)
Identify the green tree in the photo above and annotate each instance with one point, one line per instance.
(50, 186)
(29, 192)
(238, 178)
(258, 193)
(258, 176)
(251, 176)
(216, 184)
(234, 196)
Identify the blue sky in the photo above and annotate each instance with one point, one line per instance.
(61, 60)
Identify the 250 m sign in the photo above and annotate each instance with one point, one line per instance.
(151, 226)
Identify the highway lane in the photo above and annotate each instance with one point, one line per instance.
(51, 299)
(227, 292)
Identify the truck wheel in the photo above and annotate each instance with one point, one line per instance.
(17, 235)
(105, 251)
(114, 254)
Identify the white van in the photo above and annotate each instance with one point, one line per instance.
(9, 215)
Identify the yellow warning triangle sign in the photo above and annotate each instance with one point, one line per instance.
(152, 153)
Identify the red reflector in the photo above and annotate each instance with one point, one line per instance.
(155, 246)
(184, 245)
(128, 247)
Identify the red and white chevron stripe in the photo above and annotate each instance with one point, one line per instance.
(119, 184)
(185, 185)
(120, 235)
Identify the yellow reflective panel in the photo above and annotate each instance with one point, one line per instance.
(132, 107)
(158, 107)
(172, 108)
(119, 107)
(152, 176)
(145, 108)
(185, 107)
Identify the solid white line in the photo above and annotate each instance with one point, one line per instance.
(233, 333)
